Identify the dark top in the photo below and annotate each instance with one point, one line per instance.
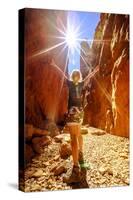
(75, 93)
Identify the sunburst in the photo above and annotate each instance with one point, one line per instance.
(70, 38)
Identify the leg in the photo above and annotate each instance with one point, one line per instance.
(80, 140)
(74, 145)
(75, 175)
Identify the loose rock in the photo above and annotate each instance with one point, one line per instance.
(98, 132)
(59, 170)
(58, 138)
(84, 130)
(39, 142)
(65, 150)
(103, 152)
(102, 170)
(62, 138)
(38, 173)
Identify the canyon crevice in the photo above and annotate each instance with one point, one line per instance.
(107, 97)
(45, 143)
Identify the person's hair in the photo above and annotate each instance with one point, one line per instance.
(76, 72)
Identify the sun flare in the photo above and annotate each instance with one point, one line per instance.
(71, 39)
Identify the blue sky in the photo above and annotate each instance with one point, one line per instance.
(88, 21)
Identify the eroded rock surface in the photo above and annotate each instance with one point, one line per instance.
(46, 92)
(108, 95)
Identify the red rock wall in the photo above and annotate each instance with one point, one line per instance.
(108, 98)
(43, 99)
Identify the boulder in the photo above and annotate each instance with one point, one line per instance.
(40, 132)
(31, 131)
(97, 132)
(60, 170)
(38, 143)
(65, 150)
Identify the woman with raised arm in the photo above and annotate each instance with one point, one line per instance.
(75, 85)
(75, 106)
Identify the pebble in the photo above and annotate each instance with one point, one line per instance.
(124, 155)
(102, 170)
(107, 154)
(38, 173)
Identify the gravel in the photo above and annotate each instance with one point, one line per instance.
(107, 156)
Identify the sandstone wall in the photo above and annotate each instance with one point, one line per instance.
(108, 96)
(44, 101)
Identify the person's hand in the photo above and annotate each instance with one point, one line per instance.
(97, 68)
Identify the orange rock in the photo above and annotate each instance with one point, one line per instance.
(108, 103)
(28, 153)
(46, 92)
(39, 142)
(65, 150)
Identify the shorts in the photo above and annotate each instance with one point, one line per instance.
(74, 115)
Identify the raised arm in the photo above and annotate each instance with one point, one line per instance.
(92, 73)
(56, 66)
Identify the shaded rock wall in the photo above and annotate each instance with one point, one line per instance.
(108, 96)
(43, 99)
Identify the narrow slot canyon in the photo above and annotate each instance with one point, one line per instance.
(105, 117)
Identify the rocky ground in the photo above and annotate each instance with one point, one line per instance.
(107, 155)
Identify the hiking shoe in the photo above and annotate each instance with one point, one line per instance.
(74, 177)
(85, 166)
(82, 163)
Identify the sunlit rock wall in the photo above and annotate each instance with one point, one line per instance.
(108, 97)
(86, 58)
(45, 91)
